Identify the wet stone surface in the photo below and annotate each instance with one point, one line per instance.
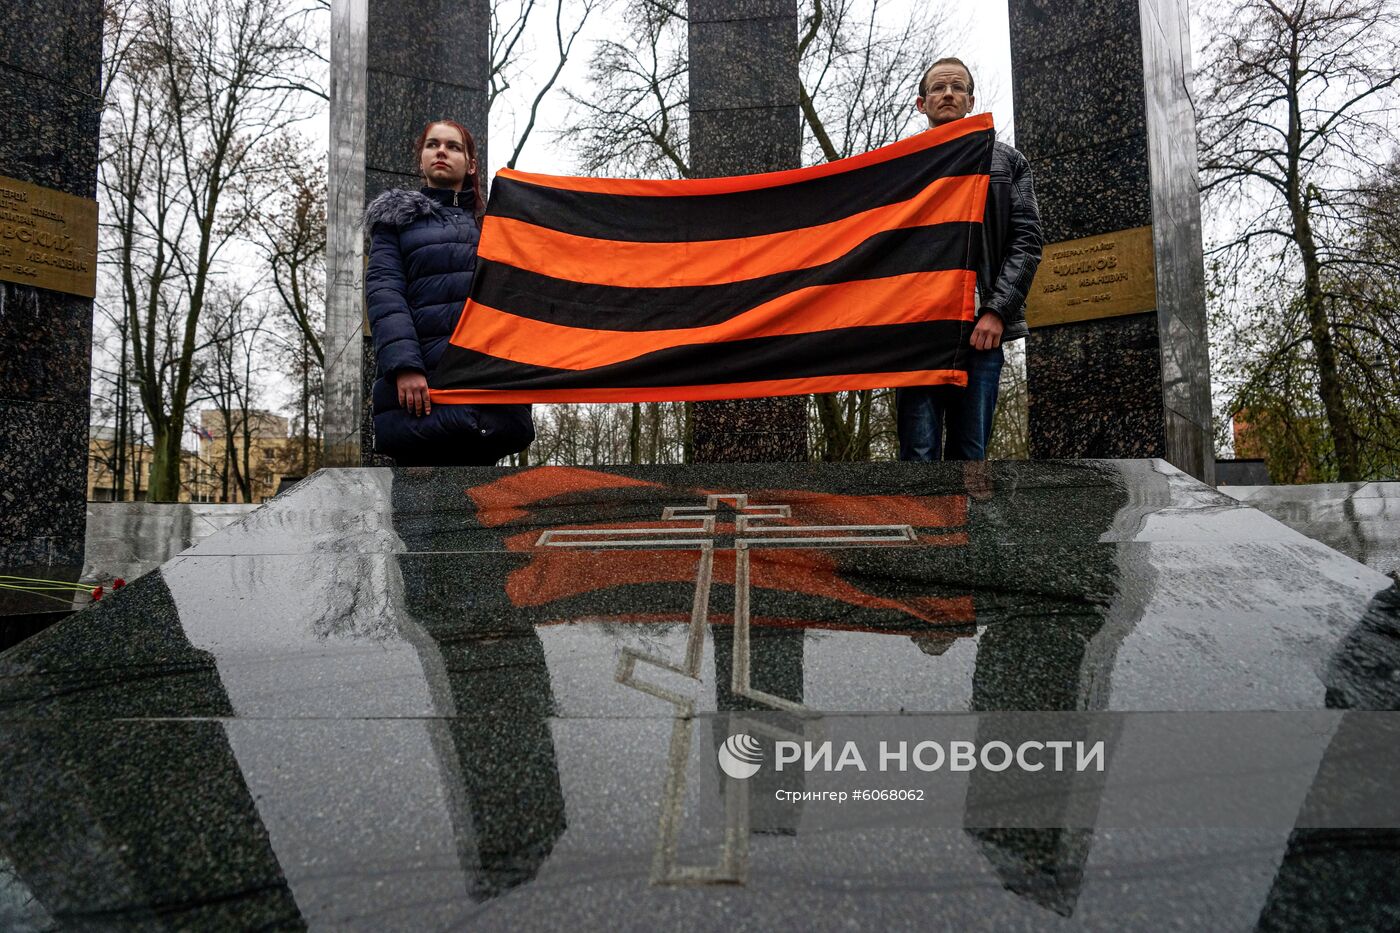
(432, 698)
(128, 539)
(1362, 520)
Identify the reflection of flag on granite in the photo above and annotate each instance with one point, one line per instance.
(802, 585)
(850, 275)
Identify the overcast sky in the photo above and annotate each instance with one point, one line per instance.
(986, 51)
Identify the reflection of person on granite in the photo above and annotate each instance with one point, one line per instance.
(421, 264)
(1038, 650)
(978, 489)
(486, 671)
(1364, 672)
(1349, 875)
(123, 802)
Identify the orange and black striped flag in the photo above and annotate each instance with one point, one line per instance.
(856, 274)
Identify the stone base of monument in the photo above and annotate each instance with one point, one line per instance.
(123, 540)
(631, 697)
(128, 539)
(33, 599)
(15, 627)
(1362, 520)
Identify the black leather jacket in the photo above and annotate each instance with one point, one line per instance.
(1011, 241)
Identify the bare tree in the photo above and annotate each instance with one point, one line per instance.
(229, 375)
(202, 86)
(112, 375)
(512, 61)
(509, 20)
(116, 453)
(564, 39)
(1279, 411)
(1293, 113)
(1366, 317)
(860, 62)
(591, 435)
(140, 222)
(289, 230)
(634, 121)
(844, 424)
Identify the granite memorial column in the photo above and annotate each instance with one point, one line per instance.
(744, 119)
(1117, 358)
(394, 67)
(50, 63)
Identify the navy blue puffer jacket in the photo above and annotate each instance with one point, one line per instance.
(421, 262)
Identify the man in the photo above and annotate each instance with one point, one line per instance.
(1011, 242)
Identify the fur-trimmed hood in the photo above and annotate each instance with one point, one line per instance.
(400, 207)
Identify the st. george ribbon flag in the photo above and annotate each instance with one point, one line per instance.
(855, 274)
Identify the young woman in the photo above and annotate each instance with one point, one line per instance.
(421, 262)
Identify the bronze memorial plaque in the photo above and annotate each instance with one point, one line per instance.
(48, 239)
(1096, 277)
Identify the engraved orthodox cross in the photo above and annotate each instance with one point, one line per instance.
(697, 527)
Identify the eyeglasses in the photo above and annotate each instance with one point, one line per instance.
(957, 87)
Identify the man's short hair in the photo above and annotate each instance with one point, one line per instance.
(923, 82)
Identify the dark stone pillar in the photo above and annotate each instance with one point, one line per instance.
(744, 119)
(1117, 358)
(395, 66)
(50, 57)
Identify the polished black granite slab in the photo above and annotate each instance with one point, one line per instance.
(44, 464)
(129, 539)
(393, 699)
(121, 540)
(1362, 520)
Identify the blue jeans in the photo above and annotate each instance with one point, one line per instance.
(922, 412)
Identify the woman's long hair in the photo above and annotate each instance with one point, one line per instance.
(475, 176)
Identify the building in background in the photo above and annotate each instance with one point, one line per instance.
(216, 471)
(120, 475)
(243, 458)
(1288, 444)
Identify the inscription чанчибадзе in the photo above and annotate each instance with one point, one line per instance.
(1094, 277)
(48, 239)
